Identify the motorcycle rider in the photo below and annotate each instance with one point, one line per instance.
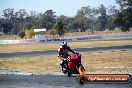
(63, 54)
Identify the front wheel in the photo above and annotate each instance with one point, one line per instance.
(81, 80)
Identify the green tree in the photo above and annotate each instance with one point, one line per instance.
(48, 19)
(52, 32)
(124, 15)
(65, 21)
(7, 27)
(33, 20)
(30, 33)
(81, 23)
(21, 15)
(102, 19)
(8, 13)
(7, 23)
(124, 4)
(71, 25)
(21, 34)
(112, 12)
(88, 15)
(59, 28)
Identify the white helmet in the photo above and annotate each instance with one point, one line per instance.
(64, 43)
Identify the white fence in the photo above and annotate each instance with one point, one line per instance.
(9, 41)
(16, 41)
(86, 38)
(93, 37)
(83, 38)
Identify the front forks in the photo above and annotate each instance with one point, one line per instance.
(81, 70)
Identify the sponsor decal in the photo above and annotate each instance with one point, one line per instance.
(103, 78)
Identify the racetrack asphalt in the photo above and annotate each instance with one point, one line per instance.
(52, 81)
(53, 52)
(55, 81)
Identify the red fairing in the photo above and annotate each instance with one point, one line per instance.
(75, 59)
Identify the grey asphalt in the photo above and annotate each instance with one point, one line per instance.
(53, 52)
(52, 81)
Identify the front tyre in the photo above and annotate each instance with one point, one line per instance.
(82, 80)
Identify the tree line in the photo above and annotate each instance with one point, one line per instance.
(86, 19)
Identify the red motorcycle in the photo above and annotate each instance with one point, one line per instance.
(73, 65)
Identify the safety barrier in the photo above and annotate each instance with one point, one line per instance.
(9, 41)
(85, 38)
(17, 41)
(73, 39)
(50, 40)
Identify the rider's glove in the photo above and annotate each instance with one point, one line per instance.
(68, 59)
(75, 52)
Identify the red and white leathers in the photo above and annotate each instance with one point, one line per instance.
(63, 51)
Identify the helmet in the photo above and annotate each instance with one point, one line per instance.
(64, 43)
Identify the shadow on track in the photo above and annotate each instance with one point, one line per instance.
(53, 52)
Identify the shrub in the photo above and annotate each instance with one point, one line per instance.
(30, 33)
(52, 32)
(21, 34)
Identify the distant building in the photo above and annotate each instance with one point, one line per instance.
(40, 35)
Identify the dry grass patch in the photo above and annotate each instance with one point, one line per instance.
(120, 61)
(31, 64)
(49, 46)
(100, 43)
(27, 47)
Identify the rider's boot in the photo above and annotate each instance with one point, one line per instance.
(64, 67)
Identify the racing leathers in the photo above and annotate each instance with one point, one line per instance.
(63, 55)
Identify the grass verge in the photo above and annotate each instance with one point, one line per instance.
(119, 61)
(49, 46)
